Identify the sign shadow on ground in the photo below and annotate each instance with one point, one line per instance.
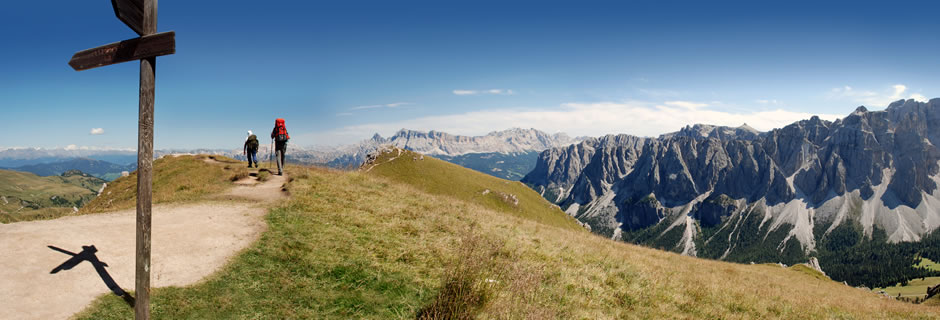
(88, 254)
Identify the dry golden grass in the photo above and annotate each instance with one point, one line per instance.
(175, 179)
(439, 177)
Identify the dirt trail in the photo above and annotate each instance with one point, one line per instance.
(189, 242)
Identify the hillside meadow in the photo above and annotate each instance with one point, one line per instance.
(364, 245)
(25, 196)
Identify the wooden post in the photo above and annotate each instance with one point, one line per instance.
(145, 168)
(140, 16)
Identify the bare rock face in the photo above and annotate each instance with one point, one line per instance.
(507, 141)
(876, 169)
(440, 143)
(932, 291)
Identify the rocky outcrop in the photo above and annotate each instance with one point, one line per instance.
(878, 169)
(813, 263)
(932, 291)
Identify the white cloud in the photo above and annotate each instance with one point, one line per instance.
(71, 147)
(376, 106)
(898, 90)
(919, 97)
(344, 114)
(576, 119)
(96, 131)
(874, 98)
(461, 92)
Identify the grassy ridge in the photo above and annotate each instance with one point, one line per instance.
(802, 268)
(26, 196)
(439, 177)
(175, 179)
(355, 245)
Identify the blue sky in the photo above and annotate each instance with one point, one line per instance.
(339, 71)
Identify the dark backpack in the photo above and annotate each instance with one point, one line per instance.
(253, 143)
(280, 131)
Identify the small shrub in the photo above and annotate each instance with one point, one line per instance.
(264, 175)
(469, 282)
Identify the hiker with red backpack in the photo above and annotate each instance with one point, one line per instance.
(280, 136)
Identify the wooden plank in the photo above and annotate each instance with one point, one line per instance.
(159, 44)
(148, 68)
(131, 12)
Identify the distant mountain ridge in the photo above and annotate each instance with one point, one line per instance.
(101, 169)
(511, 141)
(698, 188)
(506, 141)
(16, 157)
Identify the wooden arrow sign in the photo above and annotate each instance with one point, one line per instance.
(131, 12)
(159, 44)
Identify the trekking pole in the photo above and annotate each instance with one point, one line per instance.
(271, 156)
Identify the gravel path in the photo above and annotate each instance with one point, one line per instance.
(189, 242)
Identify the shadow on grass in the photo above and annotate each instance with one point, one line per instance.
(88, 254)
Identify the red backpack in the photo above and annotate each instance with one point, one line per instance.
(280, 131)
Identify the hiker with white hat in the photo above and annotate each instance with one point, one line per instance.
(251, 149)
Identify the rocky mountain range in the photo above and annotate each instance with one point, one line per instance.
(723, 192)
(436, 143)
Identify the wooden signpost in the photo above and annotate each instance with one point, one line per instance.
(140, 16)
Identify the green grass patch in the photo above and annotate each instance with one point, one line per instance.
(928, 264)
(914, 288)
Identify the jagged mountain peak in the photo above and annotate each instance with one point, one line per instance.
(510, 141)
(706, 131)
(875, 169)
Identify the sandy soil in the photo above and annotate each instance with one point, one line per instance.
(189, 243)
